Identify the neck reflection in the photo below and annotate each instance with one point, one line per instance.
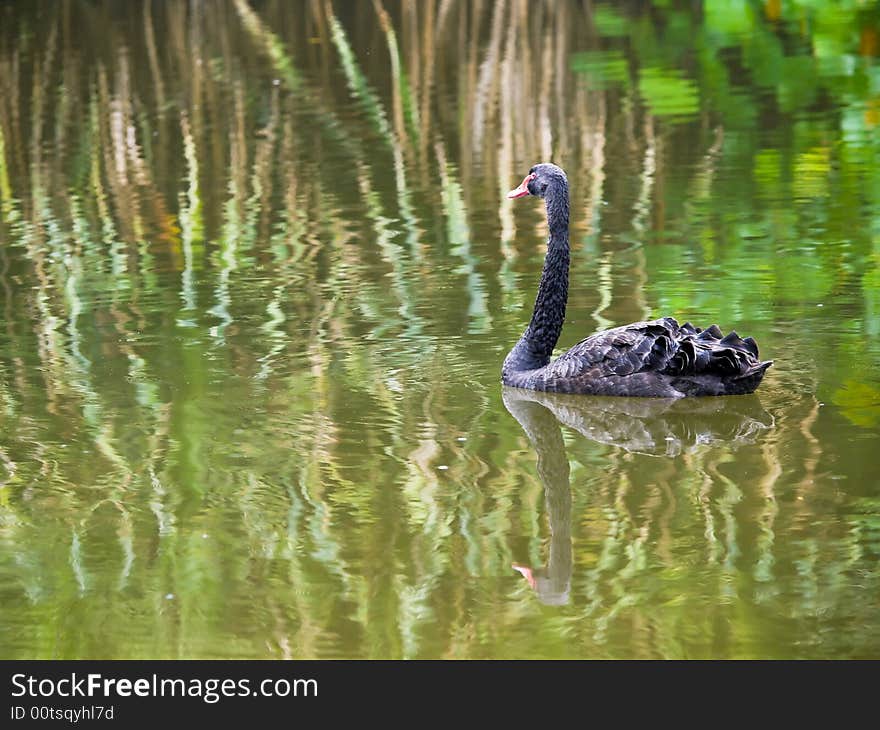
(653, 426)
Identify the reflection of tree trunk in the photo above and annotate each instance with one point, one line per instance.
(487, 85)
(552, 583)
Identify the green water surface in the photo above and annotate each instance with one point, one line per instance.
(258, 274)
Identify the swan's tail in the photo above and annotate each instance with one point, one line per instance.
(710, 354)
(747, 382)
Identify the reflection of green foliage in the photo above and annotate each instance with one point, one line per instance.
(601, 69)
(609, 22)
(667, 94)
(730, 20)
(859, 402)
(796, 112)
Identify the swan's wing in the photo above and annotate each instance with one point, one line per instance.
(620, 351)
(660, 346)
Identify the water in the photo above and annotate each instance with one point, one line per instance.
(258, 275)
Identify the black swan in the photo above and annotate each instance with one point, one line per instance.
(660, 358)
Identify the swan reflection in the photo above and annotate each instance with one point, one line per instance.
(657, 427)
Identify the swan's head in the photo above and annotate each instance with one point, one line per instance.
(540, 179)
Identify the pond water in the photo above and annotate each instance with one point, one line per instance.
(258, 275)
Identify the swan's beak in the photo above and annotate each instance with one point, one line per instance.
(524, 570)
(523, 189)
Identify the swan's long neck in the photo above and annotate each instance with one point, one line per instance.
(536, 344)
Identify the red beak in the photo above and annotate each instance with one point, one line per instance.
(524, 570)
(523, 187)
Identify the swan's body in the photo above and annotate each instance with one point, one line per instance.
(659, 358)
